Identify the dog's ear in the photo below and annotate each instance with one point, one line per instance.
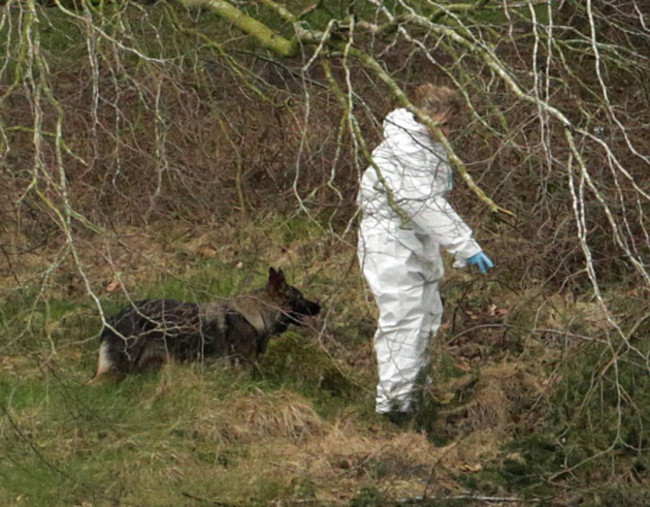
(277, 281)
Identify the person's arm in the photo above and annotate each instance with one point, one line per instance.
(436, 217)
(419, 187)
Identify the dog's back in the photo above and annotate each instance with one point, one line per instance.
(147, 332)
(150, 332)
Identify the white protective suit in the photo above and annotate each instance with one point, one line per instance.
(401, 261)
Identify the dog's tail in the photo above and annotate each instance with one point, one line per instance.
(104, 363)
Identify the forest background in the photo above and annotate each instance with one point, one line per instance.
(178, 149)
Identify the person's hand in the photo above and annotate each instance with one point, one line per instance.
(482, 261)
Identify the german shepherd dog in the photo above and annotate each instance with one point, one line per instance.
(152, 331)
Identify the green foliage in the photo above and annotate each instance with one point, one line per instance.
(207, 280)
(297, 229)
(604, 399)
(597, 427)
(622, 495)
(537, 457)
(369, 497)
(293, 360)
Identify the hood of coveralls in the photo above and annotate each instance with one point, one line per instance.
(401, 129)
(408, 140)
(411, 164)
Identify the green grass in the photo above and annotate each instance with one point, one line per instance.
(296, 362)
(292, 427)
(187, 433)
(206, 280)
(151, 436)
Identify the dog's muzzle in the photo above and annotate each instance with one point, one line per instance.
(308, 309)
(312, 309)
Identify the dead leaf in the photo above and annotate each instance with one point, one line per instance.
(472, 468)
(206, 252)
(112, 285)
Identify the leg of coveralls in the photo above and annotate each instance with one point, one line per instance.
(431, 324)
(433, 309)
(434, 271)
(395, 276)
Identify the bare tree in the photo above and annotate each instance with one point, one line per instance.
(208, 107)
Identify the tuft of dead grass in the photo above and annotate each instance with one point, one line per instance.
(260, 416)
(491, 402)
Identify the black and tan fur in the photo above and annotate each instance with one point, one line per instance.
(152, 331)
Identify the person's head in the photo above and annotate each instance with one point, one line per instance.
(441, 103)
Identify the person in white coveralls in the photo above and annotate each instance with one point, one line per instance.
(406, 220)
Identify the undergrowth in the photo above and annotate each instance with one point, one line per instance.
(152, 149)
(516, 407)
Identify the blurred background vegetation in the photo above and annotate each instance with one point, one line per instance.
(180, 148)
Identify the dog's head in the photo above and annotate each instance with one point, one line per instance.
(294, 305)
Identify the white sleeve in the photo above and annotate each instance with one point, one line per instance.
(418, 174)
(436, 217)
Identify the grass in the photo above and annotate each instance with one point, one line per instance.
(522, 391)
(300, 425)
(187, 433)
(153, 436)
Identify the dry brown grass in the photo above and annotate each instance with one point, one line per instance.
(274, 438)
(260, 417)
(189, 180)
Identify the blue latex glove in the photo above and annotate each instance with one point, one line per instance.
(482, 261)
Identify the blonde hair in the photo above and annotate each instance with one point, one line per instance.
(440, 102)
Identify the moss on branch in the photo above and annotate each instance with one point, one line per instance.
(249, 25)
